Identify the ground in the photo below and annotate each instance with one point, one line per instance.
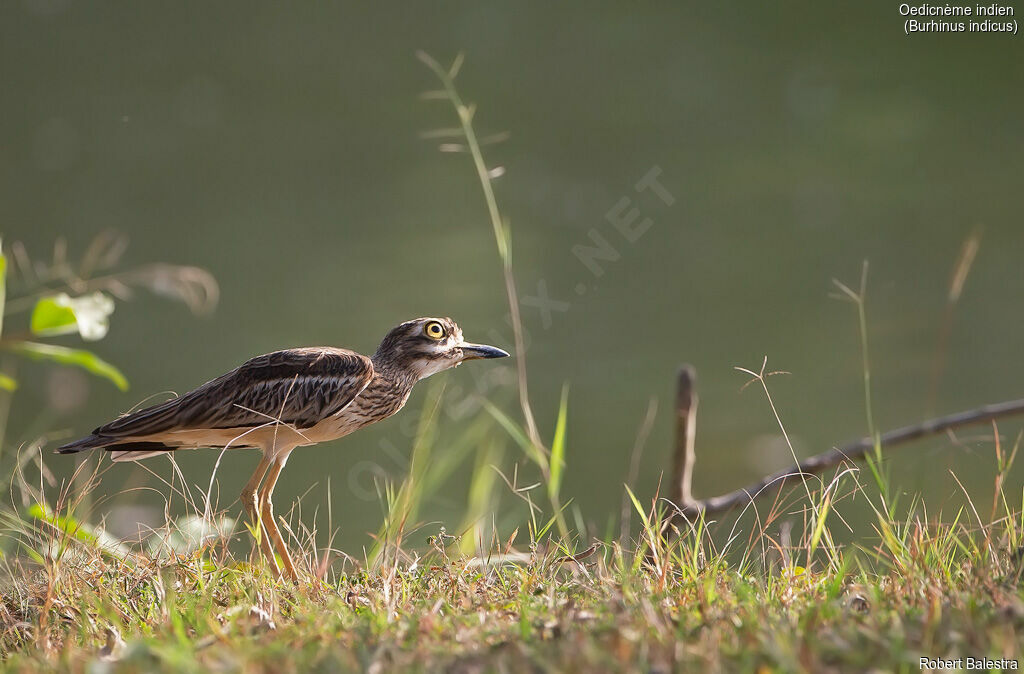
(661, 607)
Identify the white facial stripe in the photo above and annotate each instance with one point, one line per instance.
(425, 368)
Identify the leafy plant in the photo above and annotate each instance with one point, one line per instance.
(64, 299)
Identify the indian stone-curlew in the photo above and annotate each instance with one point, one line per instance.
(288, 399)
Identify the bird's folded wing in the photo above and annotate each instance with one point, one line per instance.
(298, 386)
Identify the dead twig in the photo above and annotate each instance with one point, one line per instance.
(685, 455)
(686, 433)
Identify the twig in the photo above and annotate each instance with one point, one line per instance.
(684, 452)
(686, 431)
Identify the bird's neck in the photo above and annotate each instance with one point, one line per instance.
(392, 373)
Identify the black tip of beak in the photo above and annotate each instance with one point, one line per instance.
(473, 351)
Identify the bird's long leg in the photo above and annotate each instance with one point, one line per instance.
(251, 503)
(266, 494)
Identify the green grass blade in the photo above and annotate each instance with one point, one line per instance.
(554, 519)
(558, 447)
(517, 434)
(819, 527)
(3, 287)
(639, 508)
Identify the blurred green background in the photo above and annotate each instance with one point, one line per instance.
(279, 146)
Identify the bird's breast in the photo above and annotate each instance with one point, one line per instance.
(377, 401)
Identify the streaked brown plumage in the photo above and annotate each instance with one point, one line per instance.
(288, 399)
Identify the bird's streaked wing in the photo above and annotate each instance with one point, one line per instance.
(298, 386)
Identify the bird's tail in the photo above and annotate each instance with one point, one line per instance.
(88, 442)
(119, 450)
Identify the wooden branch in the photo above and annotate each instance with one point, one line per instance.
(684, 455)
(681, 488)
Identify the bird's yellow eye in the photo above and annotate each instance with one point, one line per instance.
(434, 330)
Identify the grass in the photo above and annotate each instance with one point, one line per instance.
(783, 586)
(658, 603)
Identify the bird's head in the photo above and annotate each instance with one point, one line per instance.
(424, 346)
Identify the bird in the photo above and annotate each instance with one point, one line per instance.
(287, 399)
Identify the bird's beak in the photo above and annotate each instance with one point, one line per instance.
(475, 351)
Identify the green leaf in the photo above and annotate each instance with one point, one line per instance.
(61, 314)
(53, 316)
(558, 446)
(8, 383)
(74, 357)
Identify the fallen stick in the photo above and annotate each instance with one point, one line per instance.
(685, 453)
